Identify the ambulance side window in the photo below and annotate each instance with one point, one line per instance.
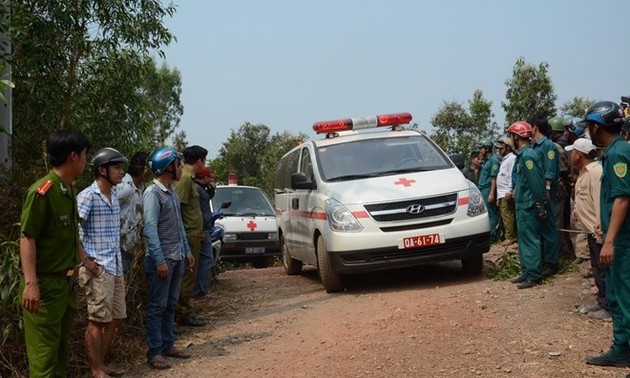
(306, 165)
(286, 167)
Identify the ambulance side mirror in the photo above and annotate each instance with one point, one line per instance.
(299, 181)
(458, 160)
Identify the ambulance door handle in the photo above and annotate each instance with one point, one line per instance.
(295, 203)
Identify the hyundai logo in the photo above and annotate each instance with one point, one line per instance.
(415, 209)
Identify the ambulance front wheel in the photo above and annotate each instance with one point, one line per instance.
(291, 266)
(332, 281)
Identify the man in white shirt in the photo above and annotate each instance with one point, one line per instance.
(130, 195)
(504, 189)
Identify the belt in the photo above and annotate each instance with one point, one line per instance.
(68, 273)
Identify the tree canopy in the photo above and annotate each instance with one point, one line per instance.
(459, 129)
(87, 65)
(529, 92)
(252, 153)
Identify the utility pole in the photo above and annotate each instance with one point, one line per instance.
(6, 126)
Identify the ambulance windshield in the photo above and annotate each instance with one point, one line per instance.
(380, 157)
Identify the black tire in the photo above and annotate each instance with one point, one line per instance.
(473, 264)
(291, 266)
(332, 281)
(262, 262)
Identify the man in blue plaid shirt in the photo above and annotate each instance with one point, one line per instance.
(101, 275)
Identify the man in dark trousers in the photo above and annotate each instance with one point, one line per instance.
(530, 205)
(604, 120)
(548, 153)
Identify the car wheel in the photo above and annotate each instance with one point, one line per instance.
(291, 265)
(331, 280)
(473, 264)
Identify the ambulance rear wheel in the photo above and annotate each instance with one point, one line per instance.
(332, 281)
(291, 265)
(473, 264)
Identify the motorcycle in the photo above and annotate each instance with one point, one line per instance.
(217, 241)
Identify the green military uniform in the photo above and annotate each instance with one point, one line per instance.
(548, 153)
(489, 171)
(49, 216)
(616, 183)
(529, 193)
(193, 224)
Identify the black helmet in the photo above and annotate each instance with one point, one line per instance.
(107, 156)
(604, 113)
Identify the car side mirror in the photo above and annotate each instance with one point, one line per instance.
(458, 160)
(299, 181)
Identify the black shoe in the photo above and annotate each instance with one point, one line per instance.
(611, 358)
(549, 271)
(528, 283)
(192, 321)
(518, 279)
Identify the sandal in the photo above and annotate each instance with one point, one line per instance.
(177, 353)
(158, 362)
(114, 372)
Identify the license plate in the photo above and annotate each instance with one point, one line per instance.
(254, 250)
(420, 241)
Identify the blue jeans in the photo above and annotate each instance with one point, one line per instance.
(204, 270)
(160, 315)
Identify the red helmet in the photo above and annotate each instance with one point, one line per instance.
(520, 128)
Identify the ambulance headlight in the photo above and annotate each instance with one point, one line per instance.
(229, 237)
(476, 205)
(340, 218)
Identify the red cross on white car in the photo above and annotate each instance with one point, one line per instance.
(405, 182)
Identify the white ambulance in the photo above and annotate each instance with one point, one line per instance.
(249, 224)
(375, 195)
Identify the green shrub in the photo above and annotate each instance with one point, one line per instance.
(506, 267)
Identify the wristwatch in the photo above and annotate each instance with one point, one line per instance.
(547, 187)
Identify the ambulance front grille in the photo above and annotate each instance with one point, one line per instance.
(419, 208)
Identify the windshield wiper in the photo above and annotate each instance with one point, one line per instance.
(353, 177)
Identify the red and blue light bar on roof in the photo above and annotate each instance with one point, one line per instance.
(349, 124)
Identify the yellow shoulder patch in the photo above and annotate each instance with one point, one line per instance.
(529, 164)
(44, 187)
(551, 154)
(620, 169)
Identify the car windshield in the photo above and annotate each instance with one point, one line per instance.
(245, 201)
(379, 157)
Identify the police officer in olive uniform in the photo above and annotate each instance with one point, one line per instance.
(551, 165)
(529, 204)
(488, 183)
(48, 253)
(604, 121)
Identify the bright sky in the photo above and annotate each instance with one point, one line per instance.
(288, 64)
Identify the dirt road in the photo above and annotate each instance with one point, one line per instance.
(431, 321)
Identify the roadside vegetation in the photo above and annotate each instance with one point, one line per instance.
(93, 66)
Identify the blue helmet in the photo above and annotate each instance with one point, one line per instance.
(574, 127)
(161, 158)
(604, 113)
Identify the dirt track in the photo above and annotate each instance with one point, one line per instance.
(431, 321)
